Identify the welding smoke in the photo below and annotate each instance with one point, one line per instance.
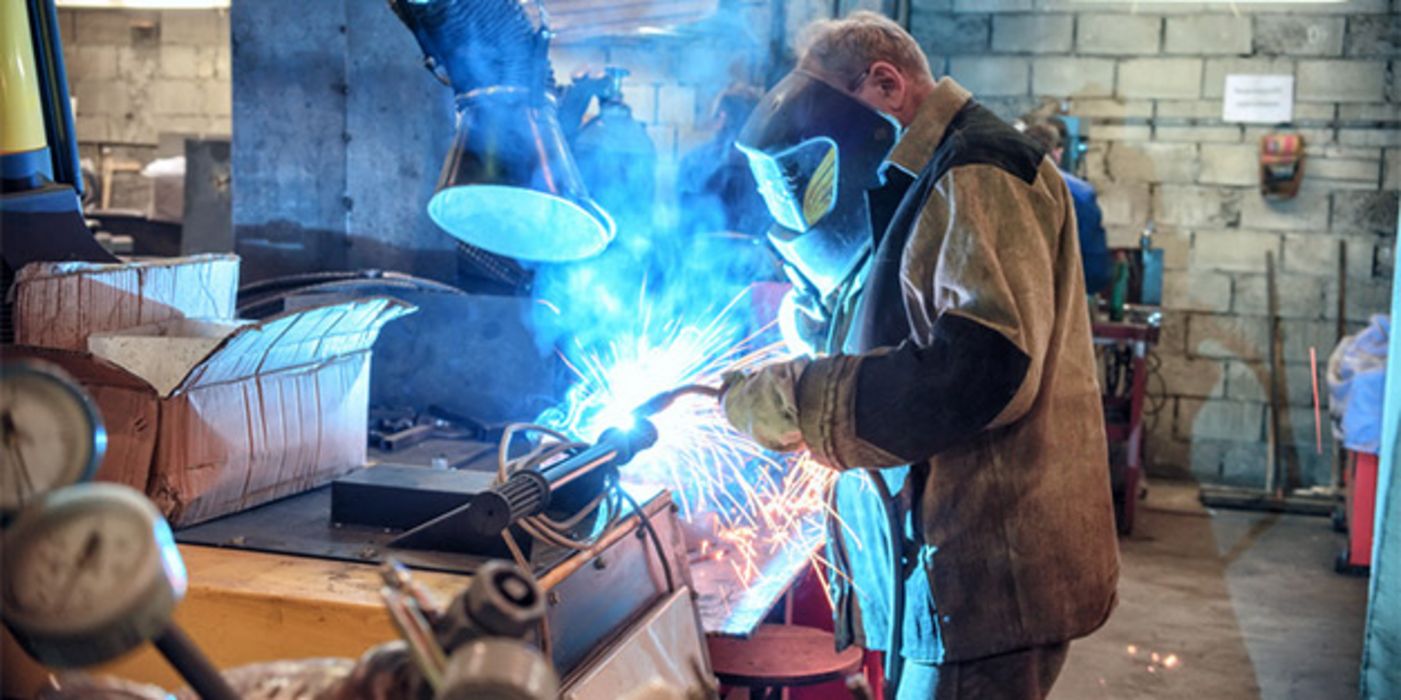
(694, 254)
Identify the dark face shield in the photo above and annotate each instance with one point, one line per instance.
(815, 152)
(799, 185)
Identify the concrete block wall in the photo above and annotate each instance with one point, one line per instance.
(1147, 79)
(137, 74)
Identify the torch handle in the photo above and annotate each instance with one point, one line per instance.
(526, 493)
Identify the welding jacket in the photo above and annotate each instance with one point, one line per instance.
(961, 371)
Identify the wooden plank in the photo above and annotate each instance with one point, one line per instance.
(1254, 499)
(246, 607)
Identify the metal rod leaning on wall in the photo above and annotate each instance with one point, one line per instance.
(1272, 486)
(1336, 477)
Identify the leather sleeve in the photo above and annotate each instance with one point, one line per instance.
(979, 277)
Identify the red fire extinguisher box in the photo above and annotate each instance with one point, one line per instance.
(1361, 507)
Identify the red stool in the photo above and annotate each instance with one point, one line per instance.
(781, 656)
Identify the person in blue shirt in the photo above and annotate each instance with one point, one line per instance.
(1094, 250)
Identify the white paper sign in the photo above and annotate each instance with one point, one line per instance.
(1259, 99)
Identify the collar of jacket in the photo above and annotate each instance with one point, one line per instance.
(917, 144)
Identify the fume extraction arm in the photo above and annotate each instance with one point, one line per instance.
(509, 184)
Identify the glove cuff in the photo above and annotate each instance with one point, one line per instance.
(826, 398)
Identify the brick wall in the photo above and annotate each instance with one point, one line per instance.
(1148, 80)
(138, 74)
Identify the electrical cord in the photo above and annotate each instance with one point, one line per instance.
(646, 522)
(1157, 400)
(540, 527)
(557, 532)
(894, 661)
(543, 527)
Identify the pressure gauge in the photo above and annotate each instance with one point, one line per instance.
(50, 434)
(91, 572)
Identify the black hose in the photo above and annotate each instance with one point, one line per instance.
(479, 44)
(193, 665)
(646, 522)
(896, 638)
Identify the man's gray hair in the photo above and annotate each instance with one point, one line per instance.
(841, 50)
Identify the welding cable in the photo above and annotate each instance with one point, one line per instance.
(1157, 400)
(646, 522)
(542, 527)
(896, 640)
(664, 400)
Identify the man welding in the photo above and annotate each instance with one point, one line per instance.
(937, 273)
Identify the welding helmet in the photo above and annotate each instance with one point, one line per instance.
(815, 152)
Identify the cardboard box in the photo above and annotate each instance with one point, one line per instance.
(213, 417)
(59, 304)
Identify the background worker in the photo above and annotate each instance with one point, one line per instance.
(1094, 250)
(955, 390)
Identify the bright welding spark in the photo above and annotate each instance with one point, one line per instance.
(757, 503)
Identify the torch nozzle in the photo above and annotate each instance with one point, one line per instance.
(660, 402)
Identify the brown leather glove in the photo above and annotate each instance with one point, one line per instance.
(764, 404)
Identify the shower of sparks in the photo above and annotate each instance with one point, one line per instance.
(746, 507)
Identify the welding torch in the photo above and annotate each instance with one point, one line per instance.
(527, 492)
(660, 402)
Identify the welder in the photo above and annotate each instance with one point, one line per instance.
(938, 280)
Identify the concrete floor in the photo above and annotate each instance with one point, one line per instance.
(1248, 604)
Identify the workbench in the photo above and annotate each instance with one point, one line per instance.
(246, 607)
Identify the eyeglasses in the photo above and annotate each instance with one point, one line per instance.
(856, 84)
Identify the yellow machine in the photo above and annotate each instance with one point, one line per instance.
(21, 117)
(41, 217)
